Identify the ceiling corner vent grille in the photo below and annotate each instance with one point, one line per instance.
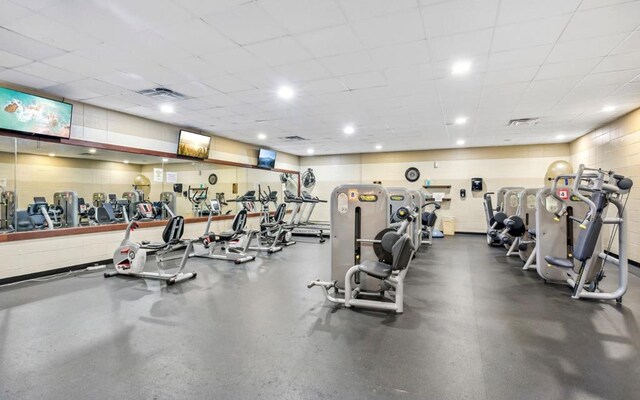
(292, 138)
(162, 94)
(523, 121)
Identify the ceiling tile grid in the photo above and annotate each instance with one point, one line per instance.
(384, 67)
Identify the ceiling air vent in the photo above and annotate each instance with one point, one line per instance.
(292, 138)
(162, 94)
(523, 121)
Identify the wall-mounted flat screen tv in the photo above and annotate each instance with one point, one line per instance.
(26, 113)
(267, 159)
(193, 145)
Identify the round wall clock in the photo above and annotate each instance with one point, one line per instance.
(412, 174)
(213, 179)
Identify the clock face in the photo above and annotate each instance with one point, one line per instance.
(412, 174)
(213, 179)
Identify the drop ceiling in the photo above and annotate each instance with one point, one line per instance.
(382, 66)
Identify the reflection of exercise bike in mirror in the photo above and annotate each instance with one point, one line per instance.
(7, 210)
(222, 202)
(273, 232)
(130, 257)
(198, 198)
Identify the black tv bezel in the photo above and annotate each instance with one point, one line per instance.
(274, 159)
(191, 157)
(36, 133)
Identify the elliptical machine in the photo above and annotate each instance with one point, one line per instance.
(130, 257)
(273, 233)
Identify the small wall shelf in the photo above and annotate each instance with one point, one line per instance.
(437, 187)
(432, 199)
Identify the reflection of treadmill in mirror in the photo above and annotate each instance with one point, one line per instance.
(297, 229)
(311, 201)
(247, 200)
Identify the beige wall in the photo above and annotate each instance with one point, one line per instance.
(616, 146)
(498, 166)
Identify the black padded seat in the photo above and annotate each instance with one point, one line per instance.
(226, 236)
(376, 269)
(559, 262)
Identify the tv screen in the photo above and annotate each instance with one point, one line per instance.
(26, 113)
(193, 145)
(266, 159)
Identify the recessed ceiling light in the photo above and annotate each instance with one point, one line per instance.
(559, 137)
(126, 161)
(92, 151)
(460, 142)
(310, 151)
(165, 160)
(461, 67)
(52, 154)
(286, 92)
(378, 147)
(461, 120)
(262, 136)
(608, 108)
(349, 129)
(167, 108)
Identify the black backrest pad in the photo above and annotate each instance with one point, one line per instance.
(388, 240)
(173, 230)
(24, 221)
(587, 240)
(240, 221)
(402, 251)
(108, 208)
(280, 212)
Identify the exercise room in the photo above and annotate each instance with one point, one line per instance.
(320, 199)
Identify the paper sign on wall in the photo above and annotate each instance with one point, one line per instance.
(172, 177)
(438, 196)
(157, 174)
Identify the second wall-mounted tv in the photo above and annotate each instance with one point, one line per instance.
(193, 145)
(267, 159)
(26, 113)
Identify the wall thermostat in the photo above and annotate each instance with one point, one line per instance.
(463, 193)
(476, 184)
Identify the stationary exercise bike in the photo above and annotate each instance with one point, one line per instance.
(130, 257)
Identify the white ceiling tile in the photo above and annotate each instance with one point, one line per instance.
(330, 85)
(77, 64)
(303, 15)
(603, 21)
(531, 33)
(508, 76)
(28, 48)
(408, 73)
(200, 7)
(126, 80)
(195, 36)
(457, 16)
(610, 78)
(359, 9)
(401, 54)
(70, 92)
(10, 11)
(110, 102)
(95, 86)
(245, 24)
(20, 78)
(279, 51)
(234, 60)
(524, 10)
(351, 63)
(399, 27)
(8, 60)
(630, 44)
(525, 57)
(266, 79)
(364, 80)
(148, 14)
(588, 4)
(570, 68)
(585, 48)
(310, 70)
(619, 62)
(194, 89)
(227, 83)
(461, 46)
(48, 72)
(330, 41)
(194, 68)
